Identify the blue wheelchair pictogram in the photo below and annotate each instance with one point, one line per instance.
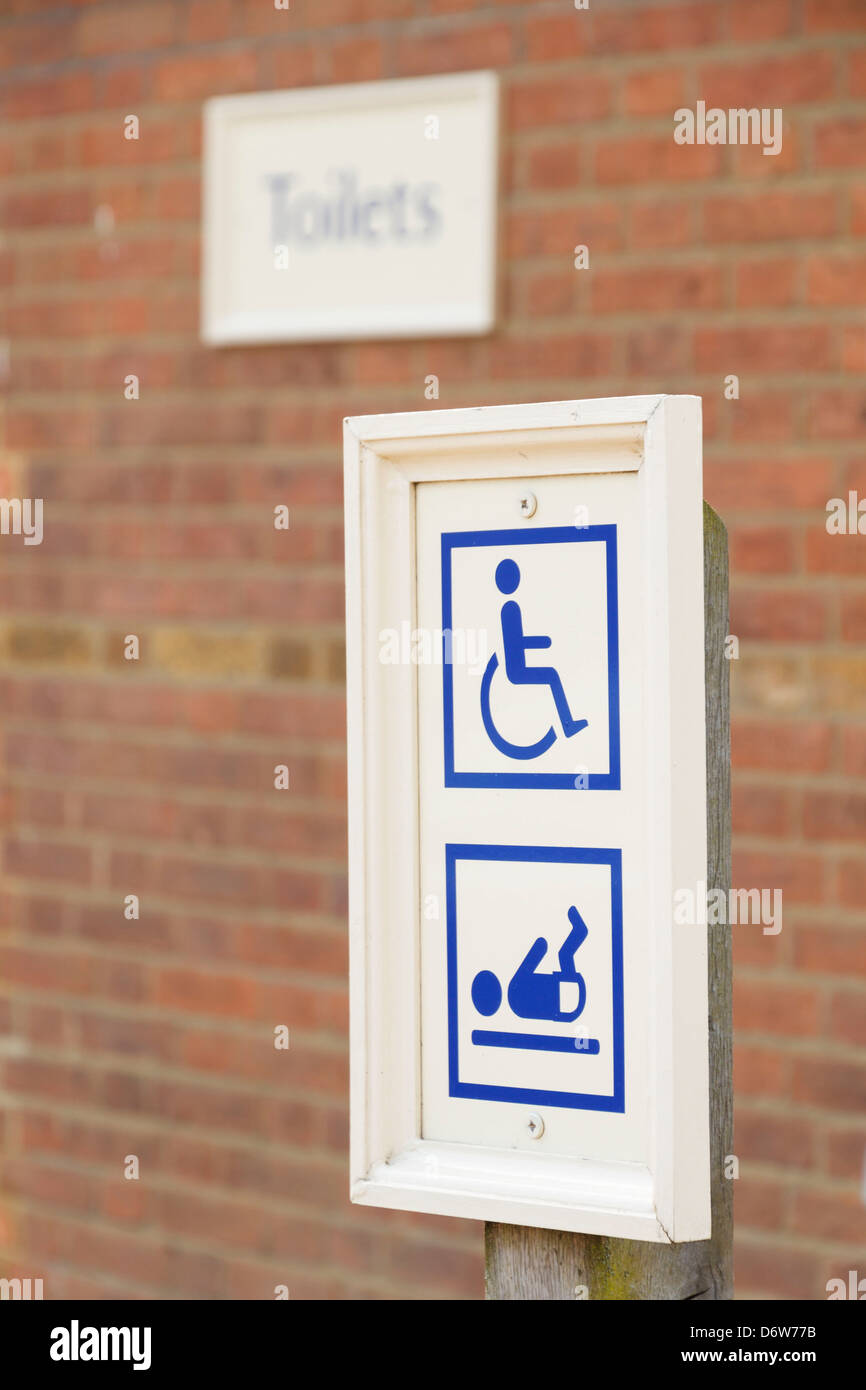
(516, 643)
(498, 733)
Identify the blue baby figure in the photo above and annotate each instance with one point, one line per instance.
(536, 994)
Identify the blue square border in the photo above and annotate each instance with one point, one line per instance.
(595, 781)
(550, 855)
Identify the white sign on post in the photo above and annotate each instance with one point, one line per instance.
(360, 211)
(527, 793)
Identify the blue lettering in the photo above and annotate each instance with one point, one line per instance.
(342, 211)
(428, 210)
(371, 205)
(279, 185)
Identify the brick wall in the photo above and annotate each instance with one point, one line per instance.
(154, 1037)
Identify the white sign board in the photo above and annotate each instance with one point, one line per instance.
(527, 794)
(351, 212)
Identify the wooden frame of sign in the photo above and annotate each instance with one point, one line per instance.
(664, 1194)
(250, 295)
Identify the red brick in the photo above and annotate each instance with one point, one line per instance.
(750, 161)
(123, 84)
(357, 60)
(835, 816)
(453, 49)
(753, 949)
(857, 72)
(837, 414)
(782, 82)
(761, 550)
(834, 16)
(646, 158)
(654, 91)
(37, 860)
(840, 143)
(771, 20)
(759, 1071)
(159, 143)
(848, 1017)
(554, 165)
(840, 680)
(780, 746)
(854, 751)
(830, 1216)
(855, 476)
(36, 43)
(858, 210)
(657, 348)
(829, 1084)
(49, 1186)
(208, 21)
(567, 357)
(556, 232)
(551, 293)
(846, 1152)
(319, 14)
(797, 483)
(826, 554)
(382, 363)
(792, 347)
(801, 877)
(824, 950)
(694, 286)
(666, 27)
(774, 615)
(557, 101)
(759, 1203)
(189, 79)
(769, 216)
(765, 415)
(783, 1140)
(137, 26)
(777, 1271)
(854, 348)
(662, 222)
(768, 1007)
(48, 208)
(837, 280)
(554, 37)
(761, 810)
(292, 65)
(64, 94)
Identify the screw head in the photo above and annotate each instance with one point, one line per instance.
(535, 1126)
(528, 504)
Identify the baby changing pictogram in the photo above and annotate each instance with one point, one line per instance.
(535, 1015)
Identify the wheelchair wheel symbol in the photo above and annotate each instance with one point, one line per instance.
(511, 750)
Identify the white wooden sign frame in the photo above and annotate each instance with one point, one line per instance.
(418, 314)
(386, 456)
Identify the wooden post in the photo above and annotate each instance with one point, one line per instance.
(526, 1263)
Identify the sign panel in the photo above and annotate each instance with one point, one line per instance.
(527, 793)
(351, 212)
